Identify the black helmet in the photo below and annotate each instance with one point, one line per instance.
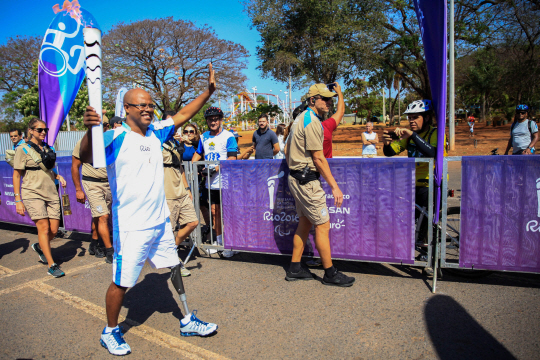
(211, 111)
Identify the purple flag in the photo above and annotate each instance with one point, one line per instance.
(432, 18)
(61, 69)
(375, 223)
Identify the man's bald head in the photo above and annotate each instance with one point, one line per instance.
(137, 116)
(131, 97)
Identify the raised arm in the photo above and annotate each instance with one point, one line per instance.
(338, 116)
(188, 111)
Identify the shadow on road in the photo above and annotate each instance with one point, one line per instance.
(455, 334)
(8, 248)
(149, 296)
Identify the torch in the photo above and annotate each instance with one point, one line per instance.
(92, 47)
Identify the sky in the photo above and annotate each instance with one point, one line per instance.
(227, 18)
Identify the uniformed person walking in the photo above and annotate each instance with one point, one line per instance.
(34, 161)
(305, 157)
(97, 190)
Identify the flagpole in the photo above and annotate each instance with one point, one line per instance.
(451, 90)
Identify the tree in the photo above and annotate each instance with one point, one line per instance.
(271, 110)
(16, 75)
(169, 58)
(314, 41)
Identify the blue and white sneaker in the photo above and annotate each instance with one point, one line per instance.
(114, 342)
(196, 327)
(36, 248)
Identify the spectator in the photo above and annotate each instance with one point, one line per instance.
(523, 133)
(216, 144)
(305, 157)
(330, 125)
(280, 132)
(115, 122)
(34, 161)
(471, 125)
(265, 141)
(369, 138)
(190, 141)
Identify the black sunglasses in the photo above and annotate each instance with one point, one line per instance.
(189, 131)
(325, 99)
(521, 112)
(40, 130)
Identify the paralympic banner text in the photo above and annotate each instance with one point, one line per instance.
(500, 213)
(375, 222)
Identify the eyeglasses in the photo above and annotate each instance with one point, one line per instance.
(40, 130)
(521, 112)
(189, 131)
(325, 99)
(142, 107)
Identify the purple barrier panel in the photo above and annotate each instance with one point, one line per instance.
(7, 208)
(375, 222)
(81, 217)
(500, 213)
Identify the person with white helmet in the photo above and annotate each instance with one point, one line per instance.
(420, 141)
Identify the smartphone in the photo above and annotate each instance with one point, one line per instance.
(393, 135)
(331, 86)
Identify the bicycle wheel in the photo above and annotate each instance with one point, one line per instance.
(453, 223)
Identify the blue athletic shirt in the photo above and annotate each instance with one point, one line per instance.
(216, 148)
(136, 177)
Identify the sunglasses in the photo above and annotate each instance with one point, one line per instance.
(521, 112)
(40, 130)
(189, 131)
(325, 99)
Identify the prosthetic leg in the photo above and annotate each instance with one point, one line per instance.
(176, 280)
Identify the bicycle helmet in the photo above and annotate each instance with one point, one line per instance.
(522, 107)
(211, 111)
(419, 106)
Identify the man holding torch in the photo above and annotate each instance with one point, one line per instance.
(141, 225)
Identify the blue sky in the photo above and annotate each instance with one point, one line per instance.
(25, 17)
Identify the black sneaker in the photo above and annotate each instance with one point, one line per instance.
(303, 274)
(338, 279)
(109, 255)
(36, 248)
(95, 250)
(55, 271)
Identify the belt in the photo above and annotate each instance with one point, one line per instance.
(170, 166)
(33, 168)
(305, 177)
(93, 179)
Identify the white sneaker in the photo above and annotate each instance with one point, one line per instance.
(191, 326)
(183, 271)
(114, 342)
(228, 253)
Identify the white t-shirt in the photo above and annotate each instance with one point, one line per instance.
(369, 149)
(281, 153)
(217, 148)
(135, 171)
(521, 135)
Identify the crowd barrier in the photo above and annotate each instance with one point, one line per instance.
(375, 223)
(497, 226)
(499, 221)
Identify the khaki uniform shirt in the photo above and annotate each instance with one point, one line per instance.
(37, 184)
(307, 134)
(174, 186)
(88, 169)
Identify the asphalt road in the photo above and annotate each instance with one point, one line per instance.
(390, 312)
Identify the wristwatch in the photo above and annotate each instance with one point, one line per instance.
(188, 188)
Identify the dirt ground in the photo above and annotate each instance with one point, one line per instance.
(347, 139)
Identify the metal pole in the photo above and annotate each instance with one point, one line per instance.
(451, 95)
(383, 107)
(67, 123)
(290, 93)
